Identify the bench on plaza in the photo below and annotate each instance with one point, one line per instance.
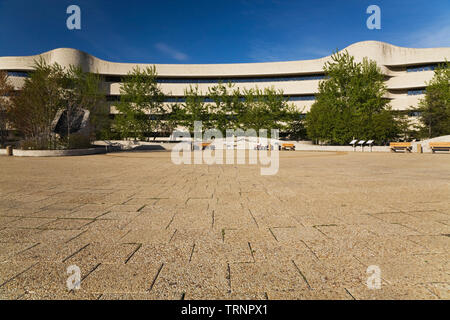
(400, 146)
(439, 146)
(206, 145)
(288, 146)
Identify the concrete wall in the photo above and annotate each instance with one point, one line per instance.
(304, 147)
(166, 146)
(54, 153)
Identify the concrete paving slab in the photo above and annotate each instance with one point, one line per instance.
(140, 227)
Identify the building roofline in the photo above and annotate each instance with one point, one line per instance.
(383, 53)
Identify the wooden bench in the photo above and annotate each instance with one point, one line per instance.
(288, 146)
(439, 146)
(205, 145)
(397, 146)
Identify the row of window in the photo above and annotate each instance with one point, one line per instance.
(301, 116)
(24, 74)
(291, 98)
(173, 99)
(226, 80)
(168, 116)
(113, 98)
(415, 68)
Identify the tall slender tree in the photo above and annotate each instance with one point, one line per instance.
(194, 109)
(434, 108)
(51, 89)
(6, 89)
(83, 91)
(228, 107)
(265, 109)
(351, 103)
(141, 104)
(33, 109)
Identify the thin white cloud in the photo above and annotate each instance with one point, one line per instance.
(439, 37)
(268, 52)
(436, 34)
(173, 53)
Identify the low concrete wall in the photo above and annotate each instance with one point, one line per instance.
(311, 147)
(127, 145)
(57, 153)
(299, 146)
(166, 146)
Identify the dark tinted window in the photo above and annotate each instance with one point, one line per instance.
(429, 67)
(22, 74)
(226, 80)
(415, 92)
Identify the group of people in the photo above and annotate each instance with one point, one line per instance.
(264, 147)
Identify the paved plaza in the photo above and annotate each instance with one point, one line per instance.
(140, 227)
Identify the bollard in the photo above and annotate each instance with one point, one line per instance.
(419, 148)
(9, 150)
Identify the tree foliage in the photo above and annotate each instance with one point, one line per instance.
(434, 108)
(35, 106)
(84, 91)
(6, 89)
(266, 109)
(231, 108)
(49, 89)
(194, 108)
(351, 104)
(141, 104)
(228, 106)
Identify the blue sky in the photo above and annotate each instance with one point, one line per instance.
(218, 31)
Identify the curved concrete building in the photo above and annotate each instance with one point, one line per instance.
(407, 71)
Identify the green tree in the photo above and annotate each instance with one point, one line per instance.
(229, 108)
(33, 109)
(194, 109)
(296, 128)
(49, 89)
(434, 108)
(351, 104)
(83, 91)
(6, 90)
(265, 109)
(141, 104)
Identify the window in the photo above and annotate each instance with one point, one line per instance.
(226, 80)
(22, 74)
(415, 92)
(173, 99)
(112, 98)
(429, 67)
(240, 80)
(113, 79)
(302, 98)
(209, 100)
(414, 114)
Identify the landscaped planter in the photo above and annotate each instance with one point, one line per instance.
(57, 153)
